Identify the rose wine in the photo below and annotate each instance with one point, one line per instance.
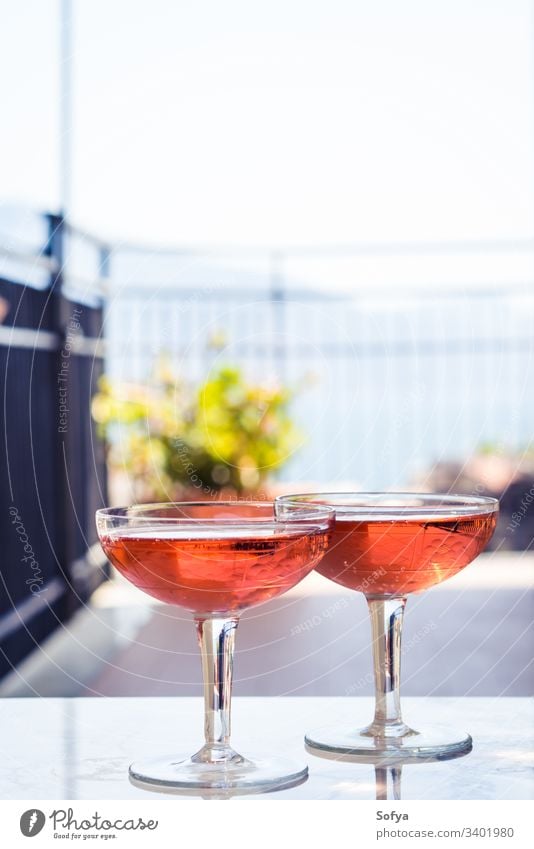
(401, 556)
(209, 570)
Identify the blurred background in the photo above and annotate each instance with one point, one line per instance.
(253, 248)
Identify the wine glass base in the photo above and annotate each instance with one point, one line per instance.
(435, 743)
(251, 776)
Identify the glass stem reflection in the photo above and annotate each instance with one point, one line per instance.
(216, 637)
(388, 782)
(386, 623)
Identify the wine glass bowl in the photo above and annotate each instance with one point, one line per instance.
(215, 559)
(208, 559)
(388, 545)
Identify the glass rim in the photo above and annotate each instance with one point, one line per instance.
(147, 512)
(433, 503)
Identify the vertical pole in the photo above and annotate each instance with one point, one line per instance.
(100, 447)
(278, 301)
(65, 107)
(61, 383)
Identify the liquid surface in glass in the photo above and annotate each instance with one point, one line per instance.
(209, 570)
(400, 556)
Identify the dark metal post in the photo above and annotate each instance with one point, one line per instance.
(61, 382)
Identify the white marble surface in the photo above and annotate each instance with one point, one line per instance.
(81, 748)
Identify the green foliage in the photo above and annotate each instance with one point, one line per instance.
(497, 448)
(228, 433)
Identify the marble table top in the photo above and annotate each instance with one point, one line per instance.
(80, 748)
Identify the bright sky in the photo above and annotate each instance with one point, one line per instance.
(288, 121)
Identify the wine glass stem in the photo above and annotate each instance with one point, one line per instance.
(216, 637)
(386, 623)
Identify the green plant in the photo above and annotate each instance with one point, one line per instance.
(226, 433)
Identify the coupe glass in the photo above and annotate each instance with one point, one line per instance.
(387, 545)
(215, 559)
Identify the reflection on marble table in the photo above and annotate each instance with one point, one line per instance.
(81, 748)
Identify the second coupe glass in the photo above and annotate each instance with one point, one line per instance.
(387, 545)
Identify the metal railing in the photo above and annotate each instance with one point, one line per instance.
(52, 466)
(386, 391)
